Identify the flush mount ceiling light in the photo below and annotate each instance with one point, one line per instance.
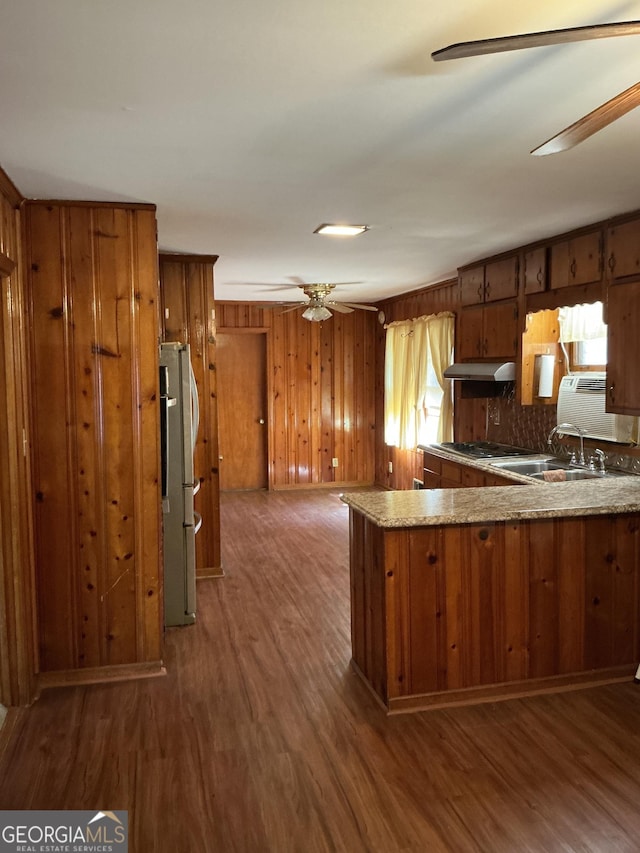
(340, 230)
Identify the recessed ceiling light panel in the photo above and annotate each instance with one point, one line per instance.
(334, 230)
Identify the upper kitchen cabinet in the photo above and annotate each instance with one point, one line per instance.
(535, 270)
(623, 250)
(490, 282)
(472, 286)
(623, 356)
(578, 260)
(501, 279)
(488, 331)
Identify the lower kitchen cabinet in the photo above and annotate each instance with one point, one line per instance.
(442, 473)
(459, 613)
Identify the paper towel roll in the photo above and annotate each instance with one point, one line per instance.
(545, 367)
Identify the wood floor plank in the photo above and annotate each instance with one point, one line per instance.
(262, 738)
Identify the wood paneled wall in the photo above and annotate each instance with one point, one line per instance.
(321, 390)
(444, 610)
(91, 272)
(17, 608)
(187, 315)
(406, 464)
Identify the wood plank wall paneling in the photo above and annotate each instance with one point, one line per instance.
(18, 660)
(465, 606)
(406, 464)
(187, 314)
(321, 390)
(92, 283)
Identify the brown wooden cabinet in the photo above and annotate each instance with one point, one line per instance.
(490, 282)
(501, 279)
(472, 286)
(623, 363)
(488, 331)
(456, 613)
(442, 473)
(578, 260)
(623, 250)
(535, 270)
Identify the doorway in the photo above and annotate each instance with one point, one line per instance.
(241, 361)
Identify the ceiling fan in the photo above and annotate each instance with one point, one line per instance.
(317, 308)
(589, 124)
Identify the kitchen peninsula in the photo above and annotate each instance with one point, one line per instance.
(474, 594)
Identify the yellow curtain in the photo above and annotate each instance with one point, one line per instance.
(399, 383)
(413, 349)
(441, 335)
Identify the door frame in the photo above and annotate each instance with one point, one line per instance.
(266, 331)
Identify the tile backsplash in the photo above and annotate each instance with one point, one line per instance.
(528, 426)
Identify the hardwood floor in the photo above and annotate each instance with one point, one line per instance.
(262, 739)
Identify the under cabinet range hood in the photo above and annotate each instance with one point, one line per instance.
(501, 371)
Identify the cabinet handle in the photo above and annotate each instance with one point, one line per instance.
(539, 276)
(487, 290)
(573, 267)
(612, 261)
(479, 293)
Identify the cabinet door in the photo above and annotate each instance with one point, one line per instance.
(470, 334)
(501, 279)
(623, 364)
(501, 331)
(471, 477)
(577, 261)
(472, 286)
(535, 270)
(623, 258)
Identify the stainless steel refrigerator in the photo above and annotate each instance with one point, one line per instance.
(179, 428)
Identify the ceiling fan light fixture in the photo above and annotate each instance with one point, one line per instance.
(334, 230)
(316, 313)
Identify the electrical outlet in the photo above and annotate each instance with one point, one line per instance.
(390, 467)
(334, 462)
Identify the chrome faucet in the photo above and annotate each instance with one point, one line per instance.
(560, 430)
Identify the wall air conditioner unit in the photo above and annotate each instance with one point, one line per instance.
(581, 402)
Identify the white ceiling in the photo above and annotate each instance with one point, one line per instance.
(250, 122)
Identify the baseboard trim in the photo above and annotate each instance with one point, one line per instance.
(310, 486)
(100, 674)
(511, 690)
(205, 574)
(442, 699)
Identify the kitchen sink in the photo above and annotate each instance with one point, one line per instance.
(526, 466)
(535, 469)
(570, 474)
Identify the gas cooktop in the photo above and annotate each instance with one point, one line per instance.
(485, 449)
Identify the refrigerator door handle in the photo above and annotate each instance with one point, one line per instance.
(190, 574)
(198, 523)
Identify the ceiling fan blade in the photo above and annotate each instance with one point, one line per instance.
(341, 307)
(591, 123)
(541, 39)
(360, 305)
(294, 307)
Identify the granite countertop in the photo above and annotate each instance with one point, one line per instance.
(427, 507)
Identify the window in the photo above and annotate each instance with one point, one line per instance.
(583, 329)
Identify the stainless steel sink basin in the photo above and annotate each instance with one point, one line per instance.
(526, 466)
(535, 469)
(570, 474)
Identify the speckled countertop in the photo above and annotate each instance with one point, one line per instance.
(428, 507)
